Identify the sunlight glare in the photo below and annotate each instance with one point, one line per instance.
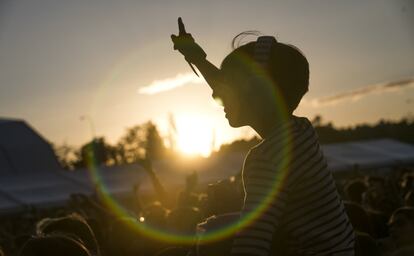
(194, 135)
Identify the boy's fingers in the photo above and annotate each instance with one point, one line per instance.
(181, 28)
(174, 38)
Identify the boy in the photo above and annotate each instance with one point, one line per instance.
(291, 200)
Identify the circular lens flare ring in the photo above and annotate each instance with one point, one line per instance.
(208, 236)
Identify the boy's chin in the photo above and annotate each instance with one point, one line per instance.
(234, 123)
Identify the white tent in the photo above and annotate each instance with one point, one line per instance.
(23, 150)
(29, 170)
(370, 154)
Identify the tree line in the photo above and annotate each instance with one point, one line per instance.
(401, 130)
(144, 141)
(135, 145)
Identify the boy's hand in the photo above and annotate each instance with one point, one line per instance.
(186, 45)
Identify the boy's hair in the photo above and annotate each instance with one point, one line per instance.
(287, 67)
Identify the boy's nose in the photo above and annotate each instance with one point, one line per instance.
(214, 95)
(218, 92)
(217, 99)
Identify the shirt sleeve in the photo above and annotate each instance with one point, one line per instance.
(265, 200)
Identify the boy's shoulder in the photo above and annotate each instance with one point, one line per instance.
(283, 140)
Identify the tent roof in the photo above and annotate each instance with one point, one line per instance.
(368, 154)
(23, 150)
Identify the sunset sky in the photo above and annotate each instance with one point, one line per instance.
(113, 62)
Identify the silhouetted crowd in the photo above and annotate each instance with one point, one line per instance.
(380, 207)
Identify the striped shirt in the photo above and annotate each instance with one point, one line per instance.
(287, 182)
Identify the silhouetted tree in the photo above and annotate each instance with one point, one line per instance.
(401, 130)
(239, 145)
(144, 141)
(154, 144)
(130, 146)
(138, 141)
(67, 155)
(96, 152)
(317, 121)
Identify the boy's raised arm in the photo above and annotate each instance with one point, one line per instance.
(194, 54)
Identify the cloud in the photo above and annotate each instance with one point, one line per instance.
(359, 93)
(167, 84)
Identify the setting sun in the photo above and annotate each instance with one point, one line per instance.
(194, 135)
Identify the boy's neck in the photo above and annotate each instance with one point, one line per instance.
(267, 126)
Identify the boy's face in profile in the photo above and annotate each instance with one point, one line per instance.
(244, 97)
(234, 93)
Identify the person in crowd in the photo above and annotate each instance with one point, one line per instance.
(188, 197)
(405, 251)
(54, 244)
(124, 239)
(401, 226)
(260, 84)
(223, 197)
(212, 224)
(379, 223)
(173, 251)
(183, 220)
(380, 196)
(409, 199)
(407, 183)
(355, 191)
(365, 245)
(155, 214)
(159, 189)
(74, 225)
(358, 217)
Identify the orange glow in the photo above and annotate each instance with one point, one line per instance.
(194, 135)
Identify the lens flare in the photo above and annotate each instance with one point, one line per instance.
(153, 232)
